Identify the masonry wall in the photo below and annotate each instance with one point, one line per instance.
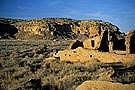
(92, 43)
(130, 42)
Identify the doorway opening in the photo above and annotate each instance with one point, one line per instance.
(92, 43)
(132, 44)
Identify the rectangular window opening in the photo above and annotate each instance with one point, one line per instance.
(92, 43)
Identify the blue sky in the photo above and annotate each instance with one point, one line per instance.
(119, 12)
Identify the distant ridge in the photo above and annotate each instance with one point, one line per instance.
(52, 28)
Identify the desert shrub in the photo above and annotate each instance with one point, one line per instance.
(67, 75)
(130, 64)
(125, 77)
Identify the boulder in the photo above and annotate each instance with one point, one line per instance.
(104, 85)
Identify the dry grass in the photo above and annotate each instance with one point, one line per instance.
(58, 75)
(24, 71)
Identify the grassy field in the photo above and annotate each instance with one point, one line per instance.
(24, 66)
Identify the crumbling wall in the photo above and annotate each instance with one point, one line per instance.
(98, 42)
(130, 42)
(93, 28)
(76, 44)
(81, 54)
(92, 43)
(104, 42)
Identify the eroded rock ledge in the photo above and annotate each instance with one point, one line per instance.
(56, 28)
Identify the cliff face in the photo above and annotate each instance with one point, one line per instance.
(51, 28)
(60, 28)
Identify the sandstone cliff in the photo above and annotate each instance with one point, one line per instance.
(58, 28)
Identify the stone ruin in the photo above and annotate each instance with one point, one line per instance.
(91, 34)
(104, 45)
(108, 41)
(130, 42)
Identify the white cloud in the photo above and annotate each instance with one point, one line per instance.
(25, 8)
(128, 13)
(54, 2)
(77, 14)
(74, 12)
(105, 17)
(98, 15)
(95, 15)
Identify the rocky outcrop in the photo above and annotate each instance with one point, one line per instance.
(59, 28)
(104, 85)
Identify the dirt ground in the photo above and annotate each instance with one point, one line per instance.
(24, 66)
